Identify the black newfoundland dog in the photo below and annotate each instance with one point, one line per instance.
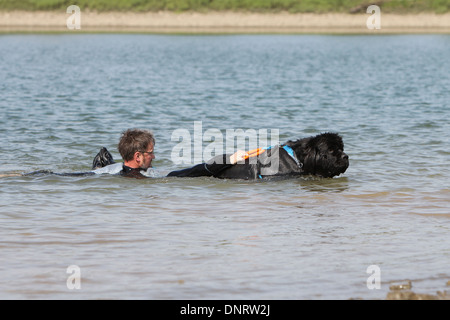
(322, 155)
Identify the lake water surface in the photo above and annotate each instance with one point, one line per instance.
(63, 97)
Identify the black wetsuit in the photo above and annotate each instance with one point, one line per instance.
(132, 172)
(125, 172)
(72, 174)
(212, 168)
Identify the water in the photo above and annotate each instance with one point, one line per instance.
(63, 97)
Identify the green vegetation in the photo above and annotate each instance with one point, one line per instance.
(438, 6)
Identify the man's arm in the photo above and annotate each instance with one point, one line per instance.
(211, 168)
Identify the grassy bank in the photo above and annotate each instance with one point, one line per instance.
(293, 6)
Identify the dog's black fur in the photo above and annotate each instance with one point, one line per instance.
(322, 155)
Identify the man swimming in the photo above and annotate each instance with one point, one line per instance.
(137, 162)
(136, 146)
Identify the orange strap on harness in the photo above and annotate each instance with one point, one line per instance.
(254, 153)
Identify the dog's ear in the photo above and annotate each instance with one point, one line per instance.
(333, 139)
(329, 139)
(301, 147)
(308, 146)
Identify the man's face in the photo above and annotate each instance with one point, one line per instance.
(146, 157)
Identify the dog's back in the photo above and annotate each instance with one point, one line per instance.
(274, 162)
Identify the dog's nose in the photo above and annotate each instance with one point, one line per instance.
(345, 156)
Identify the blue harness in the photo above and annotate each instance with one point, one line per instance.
(290, 151)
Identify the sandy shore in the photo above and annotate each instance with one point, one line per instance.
(222, 22)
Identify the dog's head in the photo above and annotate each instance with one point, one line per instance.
(322, 155)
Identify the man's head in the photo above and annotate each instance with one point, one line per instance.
(136, 148)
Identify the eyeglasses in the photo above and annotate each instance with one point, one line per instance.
(149, 152)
